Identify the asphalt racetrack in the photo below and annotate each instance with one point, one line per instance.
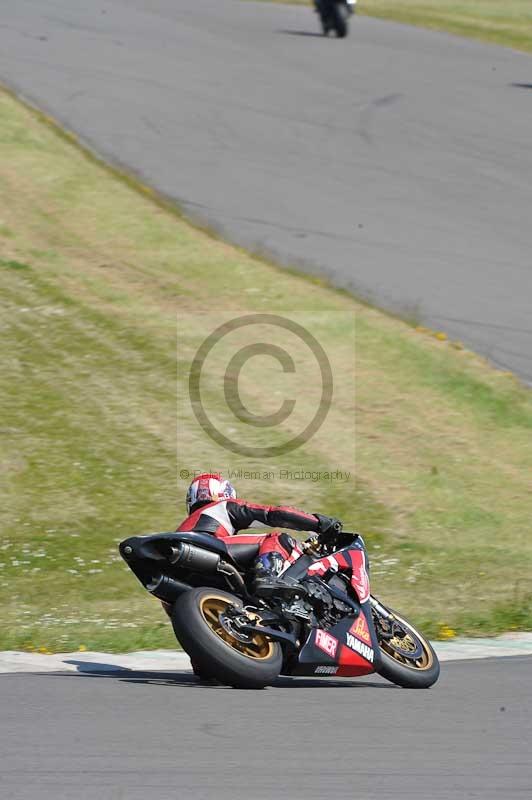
(134, 735)
(397, 162)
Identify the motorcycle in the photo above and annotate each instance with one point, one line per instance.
(318, 621)
(334, 15)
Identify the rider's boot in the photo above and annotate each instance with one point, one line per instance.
(266, 580)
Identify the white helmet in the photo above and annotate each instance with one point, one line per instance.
(208, 488)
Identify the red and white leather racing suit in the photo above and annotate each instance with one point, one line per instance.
(225, 518)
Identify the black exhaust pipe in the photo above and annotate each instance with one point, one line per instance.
(166, 588)
(183, 555)
(188, 556)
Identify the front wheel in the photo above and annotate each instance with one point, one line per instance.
(407, 658)
(207, 623)
(339, 19)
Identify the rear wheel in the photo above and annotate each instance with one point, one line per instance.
(202, 674)
(208, 622)
(407, 658)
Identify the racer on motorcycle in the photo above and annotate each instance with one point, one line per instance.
(213, 507)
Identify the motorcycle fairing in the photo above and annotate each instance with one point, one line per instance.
(147, 556)
(348, 649)
(352, 558)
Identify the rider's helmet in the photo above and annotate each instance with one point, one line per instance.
(208, 488)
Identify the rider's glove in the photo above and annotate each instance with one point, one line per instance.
(328, 528)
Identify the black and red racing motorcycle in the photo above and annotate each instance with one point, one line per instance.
(321, 622)
(334, 15)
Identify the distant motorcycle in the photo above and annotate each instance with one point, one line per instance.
(322, 624)
(334, 15)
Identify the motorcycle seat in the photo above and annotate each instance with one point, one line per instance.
(243, 554)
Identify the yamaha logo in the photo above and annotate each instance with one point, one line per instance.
(359, 647)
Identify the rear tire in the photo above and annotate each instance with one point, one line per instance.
(201, 674)
(245, 662)
(416, 670)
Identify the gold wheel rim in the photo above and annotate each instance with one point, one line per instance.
(421, 664)
(259, 647)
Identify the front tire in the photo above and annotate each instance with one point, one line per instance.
(202, 623)
(339, 19)
(407, 658)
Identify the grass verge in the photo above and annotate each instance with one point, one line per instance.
(92, 275)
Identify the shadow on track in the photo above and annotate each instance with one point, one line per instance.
(302, 33)
(88, 669)
(91, 667)
(521, 85)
